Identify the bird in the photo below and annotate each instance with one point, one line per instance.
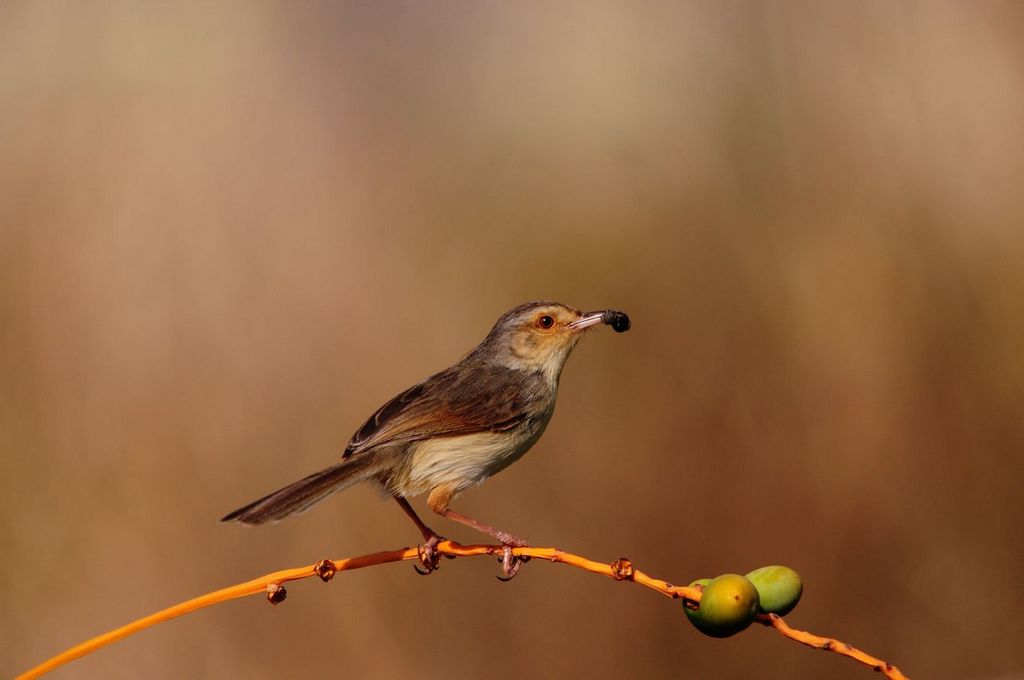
(455, 429)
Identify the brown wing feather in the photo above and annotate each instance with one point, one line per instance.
(459, 400)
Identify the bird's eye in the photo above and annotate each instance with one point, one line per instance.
(545, 321)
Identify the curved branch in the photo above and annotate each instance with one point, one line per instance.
(271, 584)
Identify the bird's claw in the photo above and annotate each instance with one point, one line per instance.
(511, 562)
(509, 565)
(428, 556)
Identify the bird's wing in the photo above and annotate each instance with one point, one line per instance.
(466, 400)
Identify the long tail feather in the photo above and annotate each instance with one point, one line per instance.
(299, 496)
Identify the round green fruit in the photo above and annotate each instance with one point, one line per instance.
(727, 606)
(779, 588)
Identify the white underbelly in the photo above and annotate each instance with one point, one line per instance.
(464, 460)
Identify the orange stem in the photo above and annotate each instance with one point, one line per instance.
(270, 584)
(831, 645)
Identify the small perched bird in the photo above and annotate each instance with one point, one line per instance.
(456, 428)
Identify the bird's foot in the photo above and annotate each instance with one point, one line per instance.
(510, 562)
(428, 555)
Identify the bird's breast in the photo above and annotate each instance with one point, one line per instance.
(466, 460)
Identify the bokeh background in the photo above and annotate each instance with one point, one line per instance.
(229, 231)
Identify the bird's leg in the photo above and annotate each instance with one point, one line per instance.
(438, 502)
(428, 557)
(509, 562)
(428, 533)
(503, 537)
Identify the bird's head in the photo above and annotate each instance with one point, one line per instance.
(538, 336)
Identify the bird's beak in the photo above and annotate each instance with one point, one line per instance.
(587, 320)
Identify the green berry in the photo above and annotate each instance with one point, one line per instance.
(779, 588)
(727, 606)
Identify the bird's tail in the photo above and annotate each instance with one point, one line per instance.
(299, 496)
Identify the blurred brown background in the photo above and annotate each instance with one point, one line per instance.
(229, 232)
